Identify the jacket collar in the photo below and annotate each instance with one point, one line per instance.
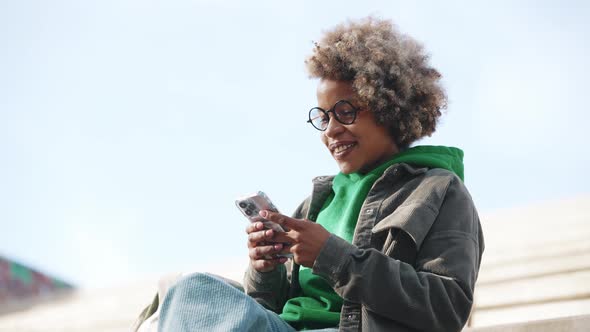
(402, 218)
(326, 180)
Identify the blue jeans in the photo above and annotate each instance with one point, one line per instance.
(202, 302)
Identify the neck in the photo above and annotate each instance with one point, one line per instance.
(393, 151)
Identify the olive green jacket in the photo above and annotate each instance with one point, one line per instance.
(413, 261)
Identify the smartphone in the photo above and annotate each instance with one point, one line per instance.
(251, 205)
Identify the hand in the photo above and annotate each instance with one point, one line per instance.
(306, 238)
(260, 249)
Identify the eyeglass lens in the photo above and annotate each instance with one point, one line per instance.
(343, 111)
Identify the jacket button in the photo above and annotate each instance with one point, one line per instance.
(369, 211)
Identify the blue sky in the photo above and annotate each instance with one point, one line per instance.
(128, 128)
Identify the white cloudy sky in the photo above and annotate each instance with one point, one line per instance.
(128, 127)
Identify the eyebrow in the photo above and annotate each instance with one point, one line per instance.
(353, 102)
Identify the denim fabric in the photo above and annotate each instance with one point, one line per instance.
(202, 302)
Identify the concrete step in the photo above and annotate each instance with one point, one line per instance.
(564, 324)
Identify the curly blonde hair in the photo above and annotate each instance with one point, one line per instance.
(389, 71)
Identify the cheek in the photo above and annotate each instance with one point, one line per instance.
(324, 139)
(377, 140)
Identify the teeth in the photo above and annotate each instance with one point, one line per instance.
(341, 148)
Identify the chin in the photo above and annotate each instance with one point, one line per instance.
(347, 169)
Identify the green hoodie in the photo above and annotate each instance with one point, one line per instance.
(449, 158)
(319, 306)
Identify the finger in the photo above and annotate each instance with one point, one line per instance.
(286, 249)
(253, 227)
(268, 265)
(286, 237)
(264, 265)
(260, 252)
(281, 219)
(260, 236)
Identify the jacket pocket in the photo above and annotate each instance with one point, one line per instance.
(406, 229)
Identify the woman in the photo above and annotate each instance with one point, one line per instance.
(391, 243)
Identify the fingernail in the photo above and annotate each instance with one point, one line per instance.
(262, 213)
(268, 232)
(278, 246)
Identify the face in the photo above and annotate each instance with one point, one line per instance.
(358, 147)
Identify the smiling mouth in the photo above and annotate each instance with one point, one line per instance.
(341, 150)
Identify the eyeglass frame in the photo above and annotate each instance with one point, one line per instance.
(331, 110)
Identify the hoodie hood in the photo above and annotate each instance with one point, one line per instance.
(431, 156)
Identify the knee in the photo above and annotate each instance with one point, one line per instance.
(189, 293)
(192, 283)
(202, 286)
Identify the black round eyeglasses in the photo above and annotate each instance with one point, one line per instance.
(343, 111)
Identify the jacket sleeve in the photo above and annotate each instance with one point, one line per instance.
(436, 294)
(271, 289)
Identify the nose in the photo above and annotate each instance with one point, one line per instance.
(334, 127)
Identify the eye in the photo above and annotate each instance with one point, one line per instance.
(345, 113)
(319, 118)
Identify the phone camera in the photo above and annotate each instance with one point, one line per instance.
(248, 212)
(243, 205)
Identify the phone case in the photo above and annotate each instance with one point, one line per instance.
(250, 206)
